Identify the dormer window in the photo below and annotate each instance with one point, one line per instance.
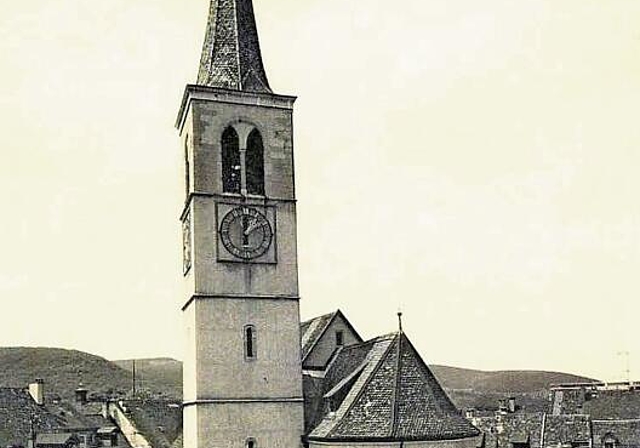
(250, 342)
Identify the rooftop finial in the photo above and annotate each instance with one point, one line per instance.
(400, 321)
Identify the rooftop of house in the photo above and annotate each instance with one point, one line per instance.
(20, 415)
(504, 429)
(624, 433)
(160, 421)
(61, 438)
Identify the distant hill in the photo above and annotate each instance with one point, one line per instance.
(165, 373)
(60, 369)
(163, 377)
(507, 381)
(484, 389)
(466, 387)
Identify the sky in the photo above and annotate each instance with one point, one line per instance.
(471, 163)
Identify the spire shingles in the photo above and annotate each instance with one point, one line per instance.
(231, 56)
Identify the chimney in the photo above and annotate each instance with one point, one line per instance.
(36, 390)
(512, 404)
(81, 395)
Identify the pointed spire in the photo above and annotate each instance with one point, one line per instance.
(231, 56)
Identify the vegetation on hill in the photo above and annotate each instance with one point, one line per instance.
(63, 370)
(507, 381)
(162, 377)
(163, 373)
(483, 389)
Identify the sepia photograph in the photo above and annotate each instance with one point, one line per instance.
(320, 224)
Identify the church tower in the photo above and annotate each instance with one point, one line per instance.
(242, 368)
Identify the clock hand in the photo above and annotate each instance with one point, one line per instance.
(251, 227)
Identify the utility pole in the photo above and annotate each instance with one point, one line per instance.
(626, 355)
(133, 371)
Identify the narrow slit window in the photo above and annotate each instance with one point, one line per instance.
(251, 443)
(187, 168)
(230, 161)
(250, 342)
(339, 338)
(255, 163)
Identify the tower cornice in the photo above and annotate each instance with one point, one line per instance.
(195, 92)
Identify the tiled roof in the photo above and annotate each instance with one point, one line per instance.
(625, 432)
(502, 430)
(231, 56)
(159, 420)
(312, 329)
(562, 429)
(614, 405)
(19, 413)
(387, 393)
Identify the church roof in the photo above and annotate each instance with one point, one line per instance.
(387, 392)
(231, 56)
(312, 330)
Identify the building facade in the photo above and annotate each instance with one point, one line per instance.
(242, 369)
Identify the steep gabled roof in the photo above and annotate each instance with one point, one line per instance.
(231, 56)
(313, 329)
(19, 415)
(392, 396)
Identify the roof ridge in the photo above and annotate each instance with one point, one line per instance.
(396, 389)
(367, 361)
(369, 378)
(308, 321)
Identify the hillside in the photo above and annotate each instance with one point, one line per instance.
(484, 389)
(507, 381)
(165, 373)
(163, 377)
(60, 369)
(466, 387)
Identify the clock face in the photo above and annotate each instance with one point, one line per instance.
(245, 232)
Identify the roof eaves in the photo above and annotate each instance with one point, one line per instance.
(386, 439)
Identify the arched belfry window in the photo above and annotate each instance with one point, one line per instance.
(255, 163)
(250, 348)
(231, 176)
